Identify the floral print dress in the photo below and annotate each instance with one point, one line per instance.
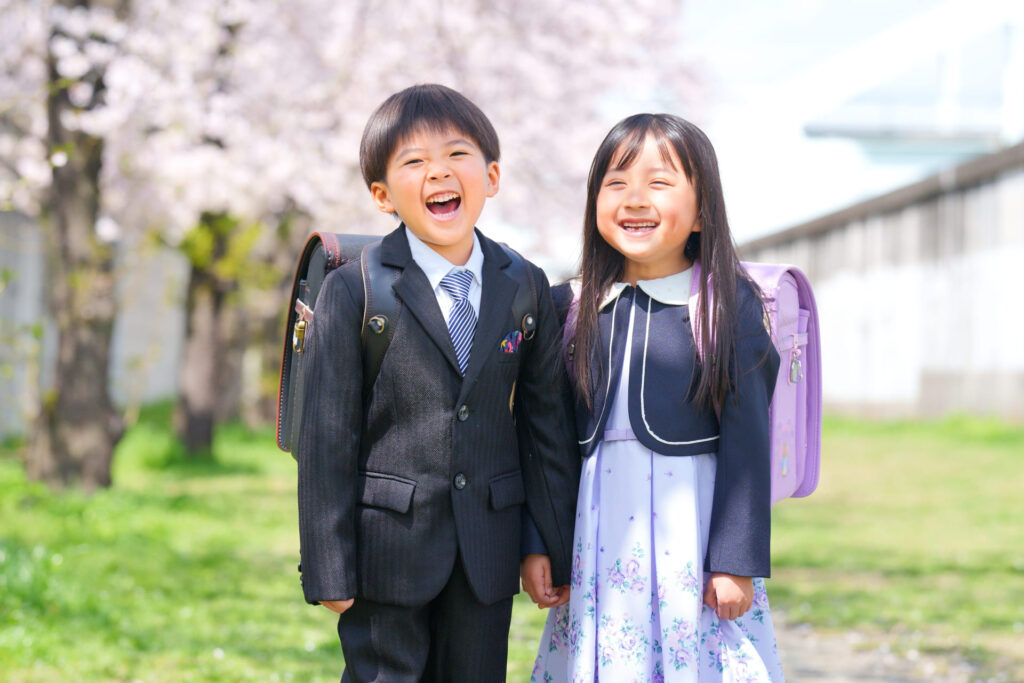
(636, 609)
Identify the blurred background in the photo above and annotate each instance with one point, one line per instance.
(161, 164)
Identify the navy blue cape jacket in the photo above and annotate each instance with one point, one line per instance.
(662, 383)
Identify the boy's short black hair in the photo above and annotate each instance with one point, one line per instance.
(427, 106)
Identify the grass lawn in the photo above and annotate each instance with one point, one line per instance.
(186, 571)
(915, 532)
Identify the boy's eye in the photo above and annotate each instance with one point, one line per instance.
(663, 183)
(410, 162)
(459, 153)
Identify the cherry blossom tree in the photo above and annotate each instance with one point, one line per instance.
(228, 128)
(269, 104)
(52, 148)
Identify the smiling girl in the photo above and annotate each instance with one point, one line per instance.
(673, 514)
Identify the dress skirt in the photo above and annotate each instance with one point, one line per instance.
(636, 610)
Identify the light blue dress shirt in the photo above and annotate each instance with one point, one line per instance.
(436, 267)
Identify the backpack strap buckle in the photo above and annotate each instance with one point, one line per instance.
(303, 316)
(529, 326)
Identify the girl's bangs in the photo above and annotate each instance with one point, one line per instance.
(629, 149)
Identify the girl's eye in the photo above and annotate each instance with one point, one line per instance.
(615, 184)
(662, 183)
(410, 162)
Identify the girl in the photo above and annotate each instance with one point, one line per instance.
(673, 514)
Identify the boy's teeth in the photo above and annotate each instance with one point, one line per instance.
(443, 203)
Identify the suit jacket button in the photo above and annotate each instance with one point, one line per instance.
(463, 413)
(460, 481)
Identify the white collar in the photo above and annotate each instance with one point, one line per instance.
(435, 266)
(671, 290)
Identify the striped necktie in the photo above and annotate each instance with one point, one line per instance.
(461, 319)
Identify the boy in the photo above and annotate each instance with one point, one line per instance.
(410, 496)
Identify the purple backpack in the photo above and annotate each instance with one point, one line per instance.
(795, 412)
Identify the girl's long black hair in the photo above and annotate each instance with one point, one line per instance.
(713, 246)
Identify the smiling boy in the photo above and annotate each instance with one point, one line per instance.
(411, 492)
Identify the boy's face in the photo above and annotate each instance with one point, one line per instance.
(437, 184)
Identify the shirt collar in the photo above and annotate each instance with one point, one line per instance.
(435, 266)
(671, 290)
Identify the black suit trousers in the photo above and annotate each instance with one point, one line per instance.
(453, 638)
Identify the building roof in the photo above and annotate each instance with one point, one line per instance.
(960, 177)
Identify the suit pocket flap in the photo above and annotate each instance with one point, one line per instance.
(507, 490)
(386, 491)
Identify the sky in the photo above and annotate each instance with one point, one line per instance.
(771, 67)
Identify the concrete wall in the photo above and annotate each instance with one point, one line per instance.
(919, 293)
(148, 332)
(23, 321)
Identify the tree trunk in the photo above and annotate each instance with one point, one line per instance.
(200, 364)
(204, 370)
(73, 438)
(267, 317)
(263, 366)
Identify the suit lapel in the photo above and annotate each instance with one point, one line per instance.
(495, 302)
(414, 289)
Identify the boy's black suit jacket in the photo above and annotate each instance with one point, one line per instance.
(392, 487)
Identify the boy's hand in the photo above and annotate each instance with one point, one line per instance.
(536, 574)
(338, 606)
(730, 596)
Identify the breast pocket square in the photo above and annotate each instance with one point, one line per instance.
(510, 344)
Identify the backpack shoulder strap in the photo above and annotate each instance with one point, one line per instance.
(380, 312)
(565, 295)
(524, 306)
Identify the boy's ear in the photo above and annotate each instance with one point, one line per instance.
(493, 176)
(381, 196)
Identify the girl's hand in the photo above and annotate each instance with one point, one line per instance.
(338, 606)
(730, 596)
(535, 572)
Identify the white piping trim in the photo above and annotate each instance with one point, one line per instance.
(608, 386)
(643, 383)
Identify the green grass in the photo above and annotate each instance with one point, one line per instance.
(182, 572)
(185, 571)
(915, 532)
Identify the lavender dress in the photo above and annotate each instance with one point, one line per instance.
(636, 611)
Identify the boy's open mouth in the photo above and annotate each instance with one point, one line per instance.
(443, 203)
(638, 227)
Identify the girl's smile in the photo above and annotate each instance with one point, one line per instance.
(646, 211)
(638, 227)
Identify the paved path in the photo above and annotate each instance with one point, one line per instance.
(812, 657)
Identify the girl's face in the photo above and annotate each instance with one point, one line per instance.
(646, 212)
